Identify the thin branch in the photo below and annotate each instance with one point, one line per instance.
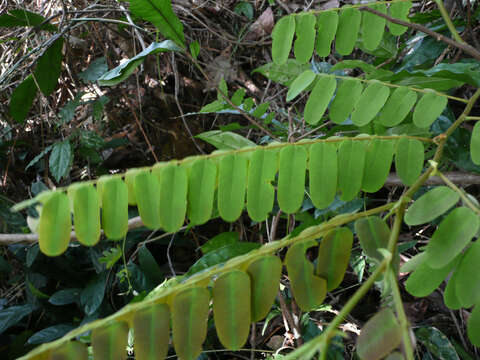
(462, 46)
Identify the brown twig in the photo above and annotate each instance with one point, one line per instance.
(464, 47)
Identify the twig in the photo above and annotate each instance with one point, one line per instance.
(459, 178)
(462, 46)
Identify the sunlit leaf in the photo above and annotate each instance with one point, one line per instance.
(147, 196)
(232, 181)
(114, 194)
(173, 196)
(55, 224)
(323, 174)
(152, 332)
(86, 213)
(202, 178)
(110, 342)
(291, 178)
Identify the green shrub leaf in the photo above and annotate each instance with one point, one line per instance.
(114, 195)
(398, 106)
(319, 98)
(300, 83)
(264, 281)
(152, 332)
(378, 160)
(429, 108)
(60, 159)
(71, 350)
(232, 180)
(351, 160)
(409, 159)
(282, 37)
(347, 32)
(450, 297)
(147, 195)
(467, 277)
(323, 160)
(86, 213)
(225, 140)
(173, 196)
(22, 98)
(399, 10)
(373, 26)
(189, 322)
(431, 205)
(373, 234)
(130, 182)
(261, 193)
(451, 237)
(110, 342)
(475, 144)
(334, 255)
(379, 336)
(202, 178)
(231, 308)
(473, 326)
(55, 224)
(291, 178)
(309, 290)
(305, 37)
(342, 105)
(327, 27)
(370, 102)
(49, 66)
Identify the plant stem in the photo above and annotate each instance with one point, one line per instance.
(474, 118)
(460, 192)
(449, 22)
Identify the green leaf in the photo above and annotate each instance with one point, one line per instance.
(370, 102)
(373, 234)
(291, 178)
(300, 83)
(334, 255)
(55, 224)
(49, 66)
(225, 140)
(130, 182)
(231, 308)
(450, 297)
(261, 193)
(244, 8)
(151, 327)
(160, 14)
(282, 37)
(147, 195)
(194, 49)
(173, 196)
(22, 17)
(114, 195)
(110, 342)
(149, 265)
(189, 321)
(452, 235)
(13, 315)
(60, 160)
(232, 181)
(399, 10)
(398, 106)
(378, 160)
(70, 350)
(351, 160)
(95, 70)
(473, 326)
(467, 277)
(110, 256)
(436, 343)
(305, 37)
(309, 290)
(202, 178)
(373, 26)
(409, 159)
(323, 160)
(67, 112)
(425, 279)
(221, 255)
(327, 27)
(347, 32)
(22, 98)
(379, 336)
(86, 213)
(431, 205)
(265, 276)
(220, 240)
(342, 105)
(319, 99)
(125, 69)
(282, 73)
(65, 297)
(50, 333)
(475, 144)
(429, 108)
(92, 295)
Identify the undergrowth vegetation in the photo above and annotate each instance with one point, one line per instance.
(322, 205)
